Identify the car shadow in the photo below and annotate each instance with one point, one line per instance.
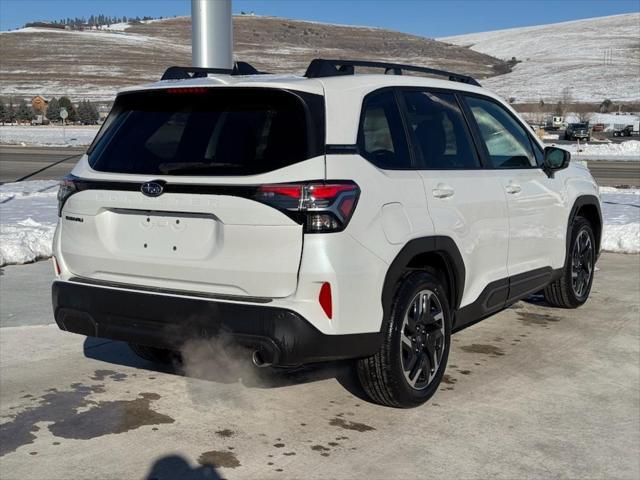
(172, 467)
(233, 367)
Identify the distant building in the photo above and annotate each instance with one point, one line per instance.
(39, 104)
(103, 112)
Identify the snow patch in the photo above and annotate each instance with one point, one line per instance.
(47, 136)
(117, 27)
(28, 218)
(621, 213)
(629, 150)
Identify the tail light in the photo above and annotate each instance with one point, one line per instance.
(321, 207)
(67, 188)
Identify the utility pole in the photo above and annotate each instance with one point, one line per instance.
(211, 34)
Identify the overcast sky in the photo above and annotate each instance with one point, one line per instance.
(431, 18)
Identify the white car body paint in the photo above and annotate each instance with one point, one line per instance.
(233, 246)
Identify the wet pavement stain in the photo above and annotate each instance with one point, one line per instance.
(482, 348)
(101, 375)
(529, 318)
(52, 407)
(349, 425)
(289, 454)
(319, 448)
(278, 445)
(111, 416)
(448, 379)
(464, 372)
(226, 433)
(216, 458)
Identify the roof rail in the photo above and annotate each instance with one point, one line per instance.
(181, 73)
(320, 67)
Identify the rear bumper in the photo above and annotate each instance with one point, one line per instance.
(282, 336)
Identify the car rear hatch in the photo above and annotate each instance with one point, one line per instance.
(176, 191)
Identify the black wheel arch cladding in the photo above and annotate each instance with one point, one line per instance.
(446, 249)
(587, 206)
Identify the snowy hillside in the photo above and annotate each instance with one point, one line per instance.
(569, 54)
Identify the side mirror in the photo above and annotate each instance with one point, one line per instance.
(555, 159)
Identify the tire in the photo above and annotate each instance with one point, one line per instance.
(383, 376)
(572, 289)
(152, 354)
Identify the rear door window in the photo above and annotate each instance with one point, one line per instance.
(507, 141)
(441, 137)
(215, 131)
(382, 138)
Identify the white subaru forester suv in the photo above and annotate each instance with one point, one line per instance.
(324, 217)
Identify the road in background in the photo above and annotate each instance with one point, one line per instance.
(18, 162)
(533, 392)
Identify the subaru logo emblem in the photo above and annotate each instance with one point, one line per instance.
(152, 189)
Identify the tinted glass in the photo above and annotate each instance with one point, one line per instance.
(441, 136)
(219, 131)
(382, 139)
(507, 141)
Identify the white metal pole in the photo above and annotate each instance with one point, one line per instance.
(211, 34)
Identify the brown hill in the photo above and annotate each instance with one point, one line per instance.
(95, 64)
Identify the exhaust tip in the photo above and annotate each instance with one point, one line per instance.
(258, 360)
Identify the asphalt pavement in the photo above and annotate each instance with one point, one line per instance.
(533, 392)
(35, 163)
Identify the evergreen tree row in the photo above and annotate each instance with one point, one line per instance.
(78, 23)
(86, 112)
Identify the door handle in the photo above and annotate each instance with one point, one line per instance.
(443, 191)
(513, 188)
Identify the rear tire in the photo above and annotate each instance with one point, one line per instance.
(572, 289)
(410, 364)
(152, 354)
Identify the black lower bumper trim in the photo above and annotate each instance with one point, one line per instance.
(282, 336)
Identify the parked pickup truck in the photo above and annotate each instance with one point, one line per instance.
(577, 131)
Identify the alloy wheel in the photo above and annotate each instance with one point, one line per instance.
(581, 264)
(422, 339)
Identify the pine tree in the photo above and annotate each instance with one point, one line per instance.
(66, 103)
(53, 110)
(11, 113)
(3, 112)
(24, 112)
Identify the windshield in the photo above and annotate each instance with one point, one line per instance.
(214, 131)
(579, 125)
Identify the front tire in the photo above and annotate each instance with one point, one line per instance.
(409, 366)
(572, 289)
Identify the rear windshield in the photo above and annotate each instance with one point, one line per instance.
(215, 131)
